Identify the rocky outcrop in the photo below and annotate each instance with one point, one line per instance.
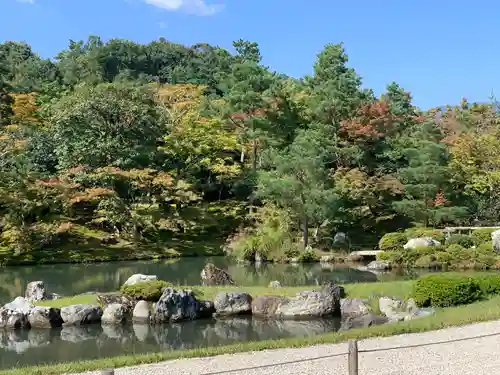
(81, 314)
(327, 259)
(211, 275)
(45, 317)
(106, 299)
(35, 291)
(174, 306)
(139, 278)
(421, 242)
(323, 303)
(232, 303)
(396, 310)
(13, 319)
(354, 307)
(20, 304)
(115, 313)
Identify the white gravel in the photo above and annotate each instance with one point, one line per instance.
(477, 356)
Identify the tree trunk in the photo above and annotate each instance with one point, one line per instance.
(305, 233)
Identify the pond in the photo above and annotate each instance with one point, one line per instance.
(79, 343)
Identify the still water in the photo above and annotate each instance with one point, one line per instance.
(79, 343)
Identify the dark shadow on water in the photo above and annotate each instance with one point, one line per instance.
(35, 347)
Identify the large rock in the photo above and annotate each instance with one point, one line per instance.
(20, 304)
(139, 278)
(45, 317)
(325, 302)
(81, 314)
(114, 313)
(142, 312)
(180, 305)
(106, 299)
(362, 321)
(13, 319)
(495, 238)
(232, 303)
(35, 291)
(396, 310)
(354, 307)
(420, 242)
(378, 265)
(211, 275)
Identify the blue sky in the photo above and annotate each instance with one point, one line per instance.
(439, 50)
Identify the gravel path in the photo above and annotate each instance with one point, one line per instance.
(477, 356)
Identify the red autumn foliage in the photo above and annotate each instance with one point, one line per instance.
(372, 121)
(439, 200)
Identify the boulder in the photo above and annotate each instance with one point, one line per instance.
(81, 314)
(13, 319)
(323, 303)
(420, 242)
(142, 312)
(177, 305)
(396, 310)
(274, 284)
(354, 307)
(45, 317)
(139, 278)
(495, 238)
(211, 275)
(232, 303)
(20, 304)
(35, 291)
(106, 299)
(327, 259)
(378, 265)
(114, 313)
(362, 321)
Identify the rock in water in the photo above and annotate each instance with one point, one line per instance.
(495, 238)
(354, 307)
(142, 312)
(35, 291)
(20, 304)
(378, 265)
(176, 306)
(13, 319)
(211, 275)
(114, 313)
(232, 303)
(139, 278)
(81, 314)
(323, 303)
(45, 317)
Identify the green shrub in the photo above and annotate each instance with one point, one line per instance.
(308, 255)
(486, 247)
(417, 232)
(427, 250)
(146, 290)
(426, 261)
(482, 235)
(384, 255)
(445, 290)
(489, 283)
(460, 239)
(444, 257)
(392, 241)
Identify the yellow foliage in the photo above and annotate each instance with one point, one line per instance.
(24, 108)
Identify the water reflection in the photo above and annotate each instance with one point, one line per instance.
(65, 279)
(35, 347)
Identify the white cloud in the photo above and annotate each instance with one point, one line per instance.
(196, 7)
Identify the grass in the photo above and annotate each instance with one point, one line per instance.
(455, 316)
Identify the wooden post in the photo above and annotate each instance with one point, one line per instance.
(353, 357)
(108, 371)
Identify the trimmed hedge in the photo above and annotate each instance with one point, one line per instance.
(146, 290)
(462, 240)
(445, 290)
(392, 241)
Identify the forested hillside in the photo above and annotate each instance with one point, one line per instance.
(117, 149)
